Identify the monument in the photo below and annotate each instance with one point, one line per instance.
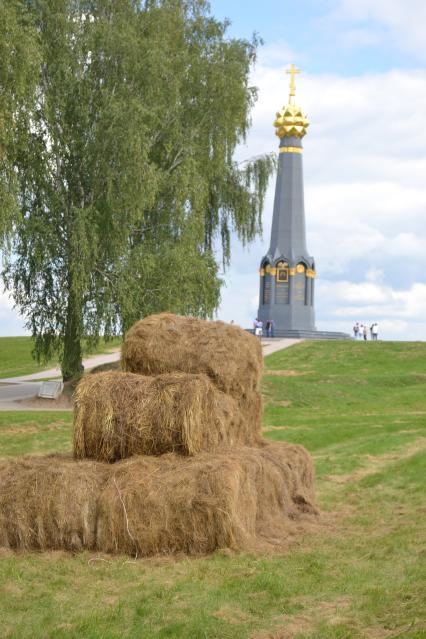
(287, 271)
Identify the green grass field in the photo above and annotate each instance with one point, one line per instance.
(360, 409)
(16, 359)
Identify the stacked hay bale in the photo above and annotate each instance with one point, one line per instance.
(169, 454)
(242, 498)
(122, 414)
(229, 356)
(50, 502)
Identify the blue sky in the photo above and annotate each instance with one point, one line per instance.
(364, 88)
(328, 35)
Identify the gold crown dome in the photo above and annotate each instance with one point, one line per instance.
(291, 121)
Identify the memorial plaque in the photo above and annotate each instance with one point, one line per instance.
(51, 389)
(299, 289)
(281, 293)
(267, 290)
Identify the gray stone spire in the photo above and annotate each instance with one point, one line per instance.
(287, 271)
(288, 234)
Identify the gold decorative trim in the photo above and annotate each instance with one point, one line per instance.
(262, 272)
(310, 273)
(273, 271)
(291, 149)
(292, 271)
(268, 268)
(300, 268)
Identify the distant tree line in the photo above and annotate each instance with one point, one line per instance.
(118, 125)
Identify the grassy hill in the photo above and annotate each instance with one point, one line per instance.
(360, 409)
(355, 399)
(16, 356)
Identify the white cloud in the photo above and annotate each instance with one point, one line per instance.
(370, 21)
(273, 54)
(350, 299)
(6, 303)
(10, 322)
(374, 275)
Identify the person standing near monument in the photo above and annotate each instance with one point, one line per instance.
(269, 328)
(258, 327)
(356, 330)
(374, 331)
(365, 332)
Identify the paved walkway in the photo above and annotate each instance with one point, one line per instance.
(89, 362)
(270, 346)
(14, 389)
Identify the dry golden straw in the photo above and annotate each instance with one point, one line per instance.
(242, 498)
(166, 343)
(49, 502)
(191, 474)
(228, 355)
(117, 415)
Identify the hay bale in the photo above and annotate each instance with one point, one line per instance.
(49, 502)
(240, 498)
(166, 343)
(122, 414)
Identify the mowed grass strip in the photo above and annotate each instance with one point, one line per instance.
(360, 574)
(35, 432)
(16, 356)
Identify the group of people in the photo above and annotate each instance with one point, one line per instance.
(258, 327)
(362, 330)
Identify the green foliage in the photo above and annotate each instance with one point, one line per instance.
(361, 573)
(128, 177)
(18, 68)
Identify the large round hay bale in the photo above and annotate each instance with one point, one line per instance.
(118, 414)
(241, 498)
(49, 502)
(166, 343)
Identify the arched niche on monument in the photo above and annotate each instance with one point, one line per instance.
(282, 279)
(311, 288)
(266, 284)
(300, 289)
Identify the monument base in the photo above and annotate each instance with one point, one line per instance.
(295, 334)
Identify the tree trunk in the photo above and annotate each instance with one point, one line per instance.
(72, 364)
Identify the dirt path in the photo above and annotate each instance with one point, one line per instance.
(375, 463)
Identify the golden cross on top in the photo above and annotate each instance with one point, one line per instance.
(293, 70)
